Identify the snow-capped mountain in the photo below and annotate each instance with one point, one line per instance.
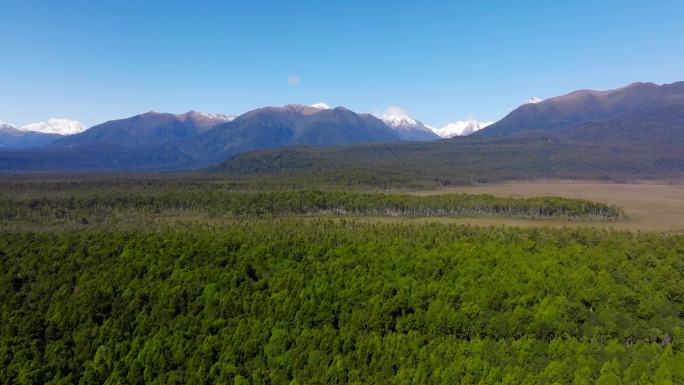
(460, 128)
(12, 137)
(407, 127)
(397, 118)
(55, 126)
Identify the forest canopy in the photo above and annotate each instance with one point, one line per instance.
(289, 301)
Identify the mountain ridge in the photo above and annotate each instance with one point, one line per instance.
(632, 132)
(585, 106)
(644, 119)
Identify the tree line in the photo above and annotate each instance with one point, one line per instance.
(240, 204)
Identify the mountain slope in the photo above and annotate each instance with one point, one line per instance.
(12, 137)
(464, 160)
(406, 127)
(561, 114)
(284, 126)
(146, 129)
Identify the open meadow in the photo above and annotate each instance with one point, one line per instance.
(647, 206)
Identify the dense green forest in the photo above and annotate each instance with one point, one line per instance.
(106, 208)
(288, 301)
(273, 282)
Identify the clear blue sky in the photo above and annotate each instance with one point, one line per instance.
(441, 60)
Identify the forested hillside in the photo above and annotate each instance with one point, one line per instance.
(321, 302)
(467, 160)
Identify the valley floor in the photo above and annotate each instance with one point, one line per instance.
(648, 206)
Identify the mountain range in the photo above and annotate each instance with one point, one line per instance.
(630, 119)
(634, 132)
(162, 141)
(153, 127)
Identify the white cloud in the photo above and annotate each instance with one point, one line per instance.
(395, 111)
(320, 106)
(293, 79)
(535, 100)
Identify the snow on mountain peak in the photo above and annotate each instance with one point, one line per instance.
(320, 106)
(55, 126)
(460, 128)
(396, 117)
(218, 116)
(534, 100)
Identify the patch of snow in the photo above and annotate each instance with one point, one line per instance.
(55, 126)
(396, 117)
(218, 116)
(534, 100)
(460, 128)
(320, 106)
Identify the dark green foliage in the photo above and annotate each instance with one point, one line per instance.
(23, 186)
(320, 302)
(100, 208)
(468, 160)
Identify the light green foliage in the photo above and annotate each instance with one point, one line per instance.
(293, 301)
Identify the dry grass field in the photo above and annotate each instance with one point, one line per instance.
(649, 206)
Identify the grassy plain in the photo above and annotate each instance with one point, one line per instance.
(648, 206)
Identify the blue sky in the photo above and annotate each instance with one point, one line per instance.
(440, 60)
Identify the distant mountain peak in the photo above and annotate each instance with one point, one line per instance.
(407, 127)
(55, 126)
(460, 128)
(641, 84)
(398, 118)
